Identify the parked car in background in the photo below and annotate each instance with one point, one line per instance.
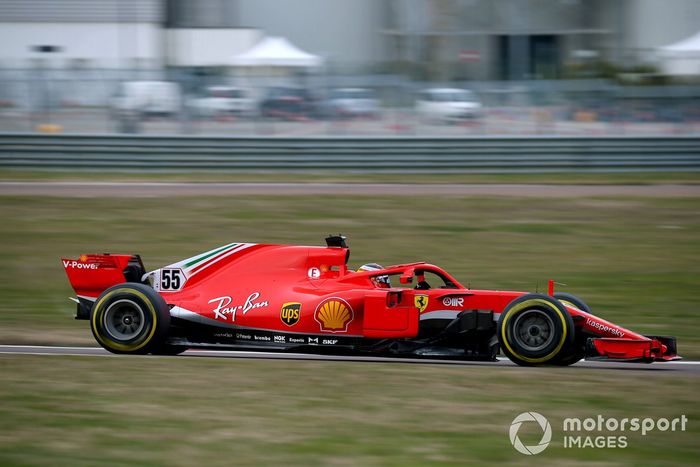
(351, 103)
(447, 105)
(221, 101)
(148, 98)
(136, 100)
(289, 103)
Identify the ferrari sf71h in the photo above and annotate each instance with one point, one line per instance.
(306, 299)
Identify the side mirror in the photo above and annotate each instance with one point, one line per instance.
(406, 277)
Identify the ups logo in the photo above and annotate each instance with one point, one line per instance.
(290, 313)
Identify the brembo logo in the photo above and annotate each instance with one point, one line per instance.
(79, 265)
(604, 328)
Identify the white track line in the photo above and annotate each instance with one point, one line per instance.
(44, 354)
(57, 347)
(10, 350)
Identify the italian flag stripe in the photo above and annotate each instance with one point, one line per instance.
(197, 263)
(209, 254)
(216, 258)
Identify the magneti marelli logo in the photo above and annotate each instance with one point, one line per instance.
(530, 417)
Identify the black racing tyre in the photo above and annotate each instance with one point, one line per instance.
(577, 351)
(535, 329)
(571, 299)
(130, 318)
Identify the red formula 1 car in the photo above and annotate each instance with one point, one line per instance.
(283, 297)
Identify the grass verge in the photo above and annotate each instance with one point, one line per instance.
(84, 411)
(634, 260)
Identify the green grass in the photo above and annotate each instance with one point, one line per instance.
(635, 260)
(84, 411)
(629, 178)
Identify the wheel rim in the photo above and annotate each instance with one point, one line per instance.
(533, 330)
(124, 320)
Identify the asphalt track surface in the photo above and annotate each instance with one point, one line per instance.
(160, 189)
(676, 366)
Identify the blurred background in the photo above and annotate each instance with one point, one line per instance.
(616, 84)
(362, 67)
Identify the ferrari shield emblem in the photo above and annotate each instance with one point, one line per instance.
(420, 302)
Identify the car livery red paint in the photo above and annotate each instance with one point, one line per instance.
(281, 297)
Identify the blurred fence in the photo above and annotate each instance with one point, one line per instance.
(86, 102)
(385, 154)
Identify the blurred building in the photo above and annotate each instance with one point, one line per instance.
(530, 39)
(429, 39)
(347, 33)
(81, 34)
(205, 34)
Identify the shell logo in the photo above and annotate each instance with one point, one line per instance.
(334, 315)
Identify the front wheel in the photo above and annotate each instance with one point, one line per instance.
(535, 329)
(130, 318)
(577, 351)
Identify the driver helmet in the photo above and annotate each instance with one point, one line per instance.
(379, 281)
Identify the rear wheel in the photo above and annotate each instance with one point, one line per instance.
(535, 329)
(130, 318)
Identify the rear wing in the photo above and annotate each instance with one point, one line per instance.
(90, 275)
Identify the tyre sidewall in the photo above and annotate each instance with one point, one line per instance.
(563, 329)
(155, 313)
(577, 351)
(571, 299)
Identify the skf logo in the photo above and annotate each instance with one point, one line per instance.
(420, 302)
(334, 315)
(290, 313)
